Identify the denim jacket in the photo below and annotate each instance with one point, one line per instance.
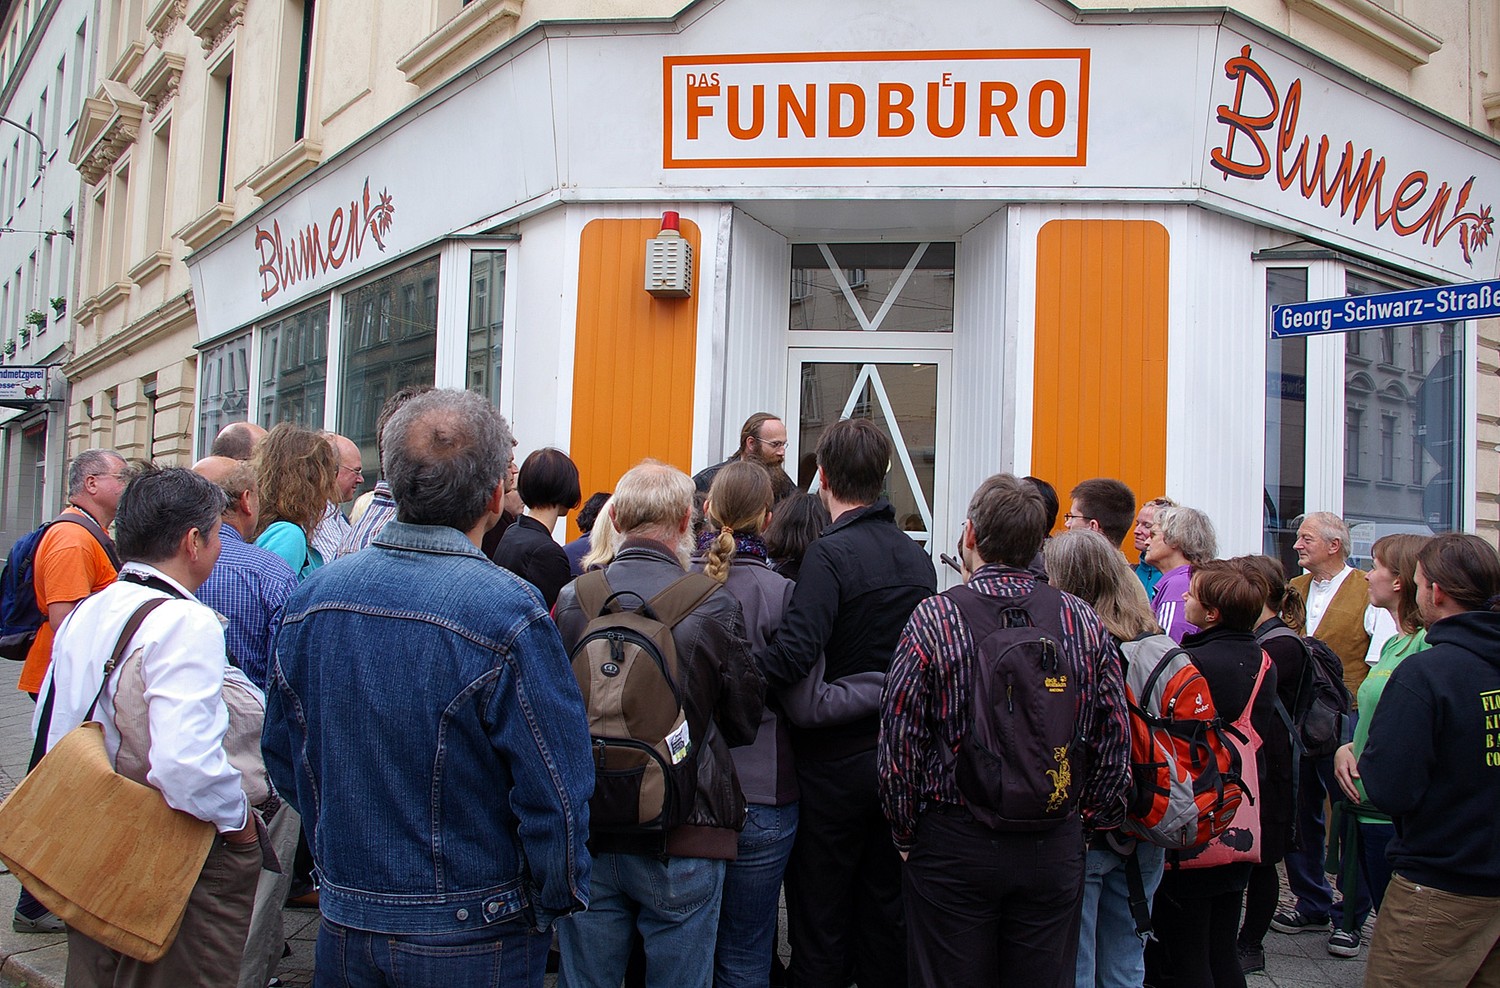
(423, 718)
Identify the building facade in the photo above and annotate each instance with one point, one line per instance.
(46, 64)
(1047, 242)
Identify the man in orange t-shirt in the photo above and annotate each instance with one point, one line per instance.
(70, 564)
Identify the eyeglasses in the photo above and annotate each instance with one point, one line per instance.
(777, 444)
(357, 471)
(122, 476)
(1070, 516)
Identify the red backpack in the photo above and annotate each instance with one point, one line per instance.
(1186, 784)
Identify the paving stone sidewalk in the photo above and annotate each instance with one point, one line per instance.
(37, 961)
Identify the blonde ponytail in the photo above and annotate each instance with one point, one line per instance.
(720, 555)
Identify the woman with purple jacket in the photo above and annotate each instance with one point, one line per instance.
(1181, 538)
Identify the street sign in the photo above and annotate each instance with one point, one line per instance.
(1446, 303)
(23, 383)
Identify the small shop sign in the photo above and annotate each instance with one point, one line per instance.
(1446, 303)
(23, 384)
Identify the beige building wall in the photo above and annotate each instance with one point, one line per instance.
(151, 143)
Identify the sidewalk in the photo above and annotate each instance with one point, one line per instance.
(39, 961)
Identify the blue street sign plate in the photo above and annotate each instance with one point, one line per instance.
(1446, 303)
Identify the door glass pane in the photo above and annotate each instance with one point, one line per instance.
(867, 287)
(294, 368)
(390, 342)
(486, 320)
(223, 388)
(902, 400)
(1404, 387)
(1286, 424)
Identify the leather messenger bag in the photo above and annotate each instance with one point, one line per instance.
(107, 855)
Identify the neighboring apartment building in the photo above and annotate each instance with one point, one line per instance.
(1023, 235)
(46, 68)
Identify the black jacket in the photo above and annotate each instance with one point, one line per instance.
(858, 584)
(528, 550)
(723, 695)
(1433, 758)
(1278, 815)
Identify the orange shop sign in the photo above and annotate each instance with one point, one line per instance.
(1007, 107)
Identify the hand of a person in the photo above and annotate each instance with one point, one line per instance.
(1346, 771)
(244, 835)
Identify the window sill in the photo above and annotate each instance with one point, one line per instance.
(153, 264)
(109, 297)
(218, 218)
(478, 22)
(1370, 25)
(289, 166)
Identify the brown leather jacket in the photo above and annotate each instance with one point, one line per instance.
(724, 693)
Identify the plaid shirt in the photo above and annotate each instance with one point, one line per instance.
(248, 586)
(381, 509)
(925, 707)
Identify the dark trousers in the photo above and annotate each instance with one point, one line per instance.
(990, 908)
(843, 885)
(1305, 873)
(1195, 945)
(1262, 896)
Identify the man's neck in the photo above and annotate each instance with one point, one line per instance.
(1327, 571)
(91, 508)
(837, 509)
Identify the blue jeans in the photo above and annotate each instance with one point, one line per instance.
(1110, 953)
(675, 906)
(752, 886)
(1305, 875)
(508, 954)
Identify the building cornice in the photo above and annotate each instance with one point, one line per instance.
(162, 17)
(214, 20)
(1382, 31)
(218, 218)
(296, 161)
(155, 325)
(478, 22)
(109, 122)
(158, 84)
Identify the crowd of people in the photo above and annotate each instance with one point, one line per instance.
(478, 746)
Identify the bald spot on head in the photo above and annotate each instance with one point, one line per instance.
(237, 440)
(235, 478)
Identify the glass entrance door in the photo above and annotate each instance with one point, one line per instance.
(905, 393)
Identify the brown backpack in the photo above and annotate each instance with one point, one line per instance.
(645, 757)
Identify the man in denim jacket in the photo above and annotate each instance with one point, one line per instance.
(423, 718)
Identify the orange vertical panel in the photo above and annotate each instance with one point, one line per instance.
(634, 357)
(1101, 355)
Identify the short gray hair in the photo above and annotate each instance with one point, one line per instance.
(444, 453)
(1189, 531)
(651, 500)
(1329, 527)
(90, 463)
(160, 507)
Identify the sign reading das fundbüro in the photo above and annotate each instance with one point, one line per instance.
(23, 384)
(1476, 300)
(897, 108)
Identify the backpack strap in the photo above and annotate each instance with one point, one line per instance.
(1042, 607)
(594, 593)
(681, 597)
(105, 542)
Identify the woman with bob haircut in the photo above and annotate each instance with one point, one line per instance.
(1082, 562)
(1181, 538)
(548, 485)
(297, 473)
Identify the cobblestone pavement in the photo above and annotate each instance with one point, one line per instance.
(39, 961)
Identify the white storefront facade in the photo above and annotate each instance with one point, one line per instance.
(1032, 239)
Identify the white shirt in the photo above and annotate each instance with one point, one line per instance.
(330, 533)
(183, 665)
(1381, 628)
(1320, 595)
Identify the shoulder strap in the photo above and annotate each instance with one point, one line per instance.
(1042, 606)
(1161, 667)
(681, 597)
(92, 527)
(1280, 631)
(593, 592)
(44, 725)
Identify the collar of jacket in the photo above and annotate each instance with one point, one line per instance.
(878, 509)
(438, 539)
(651, 547)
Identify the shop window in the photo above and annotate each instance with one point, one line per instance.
(1286, 423)
(1420, 389)
(223, 388)
(902, 287)
(390, 342)
(294, 368)
(486, 321)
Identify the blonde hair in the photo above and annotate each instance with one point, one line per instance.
(602, 540)
(1087, 565)
(738, 500)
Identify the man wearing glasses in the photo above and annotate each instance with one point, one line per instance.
(73, 560)
(763, 441)
(334, 527)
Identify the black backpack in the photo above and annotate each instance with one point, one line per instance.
(645, 751)
(1015, 768)
(20, 618)
(1322, 698)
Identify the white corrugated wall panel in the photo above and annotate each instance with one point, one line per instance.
(754, 371)
(983, 385)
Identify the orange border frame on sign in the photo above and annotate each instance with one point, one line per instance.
(670, 62)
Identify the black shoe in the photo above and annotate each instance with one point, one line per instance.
(1291, 921)
(1252, 959)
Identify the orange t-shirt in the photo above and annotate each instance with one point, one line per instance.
(70, 564)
